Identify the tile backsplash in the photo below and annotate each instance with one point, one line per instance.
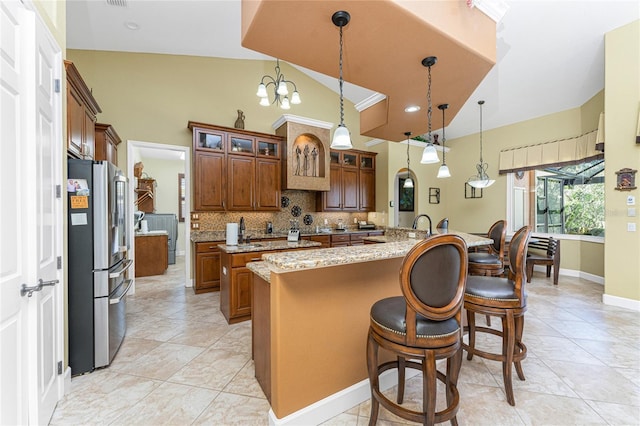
(305, 200)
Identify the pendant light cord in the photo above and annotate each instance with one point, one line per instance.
(481, 132)
(443, 139)
(429, 103)
(341, 100)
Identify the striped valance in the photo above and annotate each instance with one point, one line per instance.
(550, 154)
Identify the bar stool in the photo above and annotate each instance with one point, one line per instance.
(504, 298)
(424, 324)
(491, 263)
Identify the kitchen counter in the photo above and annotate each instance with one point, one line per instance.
(215, 236)
(268, 246)
(306, 304)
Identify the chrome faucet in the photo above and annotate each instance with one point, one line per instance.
(415, 222)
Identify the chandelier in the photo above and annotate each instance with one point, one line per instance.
(280, 90)
(429, 155)
(481, 179)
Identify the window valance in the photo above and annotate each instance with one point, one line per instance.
(560, 152)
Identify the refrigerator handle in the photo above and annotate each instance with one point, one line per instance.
(125, 265)
(114, 300)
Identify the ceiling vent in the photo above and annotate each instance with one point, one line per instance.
(121, 3)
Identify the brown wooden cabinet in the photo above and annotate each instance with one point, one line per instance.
(325, 240)
(352, 176)
(146, 191)
(107, 141)
(152, 254)
(235, 170)
(82, 109)
(207, 267)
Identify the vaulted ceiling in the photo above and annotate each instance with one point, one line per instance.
(549, 55)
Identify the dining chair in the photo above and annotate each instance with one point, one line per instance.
(505, 298)
(422, 326)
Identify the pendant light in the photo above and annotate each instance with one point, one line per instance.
(429, 155)
(341, 138)
(408, 183)
(443, 171)
(481, 179)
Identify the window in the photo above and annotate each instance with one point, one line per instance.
(563, 200)
(182, 190)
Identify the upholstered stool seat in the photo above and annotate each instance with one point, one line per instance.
(420, 327)
(485, 258)
(389, 315)
(505, 298)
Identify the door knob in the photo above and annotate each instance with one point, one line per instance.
(24, 289)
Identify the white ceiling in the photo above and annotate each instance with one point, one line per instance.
(550, 54)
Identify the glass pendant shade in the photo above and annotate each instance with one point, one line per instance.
(262, 91)
(443, 171)
(282, 88)
(295, 98)
(285, 103)
(481, 183)
(481, 179)
(341, 138)
(264, 101)
(429, 155)
(408, 183)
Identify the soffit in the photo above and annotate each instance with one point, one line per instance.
(384, 44)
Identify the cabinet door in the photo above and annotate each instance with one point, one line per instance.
(210, 181)
(267, 184)
(89, 146)
(241, 175)
(112, 153)
(349, 189)
(75, 121)
(367, 183)
(240, 297)
(207, 272)
(209, 140)
(331, 200)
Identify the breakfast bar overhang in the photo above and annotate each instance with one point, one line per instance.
(310, 317)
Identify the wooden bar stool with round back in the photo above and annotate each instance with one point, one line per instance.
(422, 326)
(490, 263)
(505, 298)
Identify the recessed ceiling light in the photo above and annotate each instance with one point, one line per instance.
(412, 108)
(132, 26)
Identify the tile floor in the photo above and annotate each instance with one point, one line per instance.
(181, 364)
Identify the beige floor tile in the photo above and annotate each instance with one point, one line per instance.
(229, 409)
(543, 409)
(163, 361)
(343, 419)
(212, 369)
(168, 404)
(181, 363)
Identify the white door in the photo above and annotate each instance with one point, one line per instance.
(31, 219)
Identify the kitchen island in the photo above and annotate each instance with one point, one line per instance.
(310, 321)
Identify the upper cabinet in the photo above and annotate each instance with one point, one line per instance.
(107, 141)
(353, 185)
(82, 109)
(235, 170)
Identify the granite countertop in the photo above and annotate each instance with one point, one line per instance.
(261, 269)
(268, 246)
(283, 262)
(471, 239)
(151, 233)
(213, 236)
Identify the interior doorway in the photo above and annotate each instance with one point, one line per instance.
(139, 150)
(405, 202)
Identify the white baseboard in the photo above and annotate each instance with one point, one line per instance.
(329, 407)
(67, 380)
(573, 273)
(621, 302)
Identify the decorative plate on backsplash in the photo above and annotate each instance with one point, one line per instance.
(284, 201)
(307, 219)
(296, 211)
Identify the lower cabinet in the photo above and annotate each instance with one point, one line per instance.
(235, 285)
(152, 254)
(325, 240)
(207, 267)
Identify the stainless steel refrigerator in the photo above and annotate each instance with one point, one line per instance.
(98, 262)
